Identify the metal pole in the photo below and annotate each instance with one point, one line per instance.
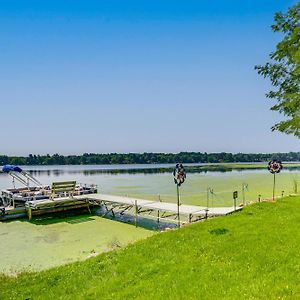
(207, 202)
(136, 212)
(207, 198)
(178, 203)
(274, 187)
(158, 213)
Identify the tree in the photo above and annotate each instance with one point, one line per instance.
(284, 71)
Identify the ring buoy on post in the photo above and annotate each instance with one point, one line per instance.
(179, 174)
(275, 166)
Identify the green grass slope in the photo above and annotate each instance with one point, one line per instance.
(253, 254)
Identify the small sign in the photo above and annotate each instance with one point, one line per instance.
(235, 194)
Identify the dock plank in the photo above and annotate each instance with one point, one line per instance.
(162, 206)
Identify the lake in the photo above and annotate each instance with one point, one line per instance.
(153, 181)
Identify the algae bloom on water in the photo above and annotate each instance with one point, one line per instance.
(45, 243)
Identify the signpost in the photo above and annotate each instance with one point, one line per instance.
(179, 178)
(274, 167)
(235, 195)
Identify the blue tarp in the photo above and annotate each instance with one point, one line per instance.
(11, 168)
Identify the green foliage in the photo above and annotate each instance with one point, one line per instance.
(146, 158)
(253, 254)
(284, 71)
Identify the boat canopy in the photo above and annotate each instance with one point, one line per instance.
(11, 168)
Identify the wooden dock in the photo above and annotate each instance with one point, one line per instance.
(159, 205)
(122, 204)
(112, 204)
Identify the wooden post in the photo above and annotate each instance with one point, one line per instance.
(29, 213)
(178, 203)
(259, 198)
(243, 191)
(136, 212)
(274, 181)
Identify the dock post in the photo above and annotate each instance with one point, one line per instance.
(29, 213)
(259, 198)
(136, 212)
(178, 203)
(274, 182)
(158, 219)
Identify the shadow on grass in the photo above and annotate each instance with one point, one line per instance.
(219, 231)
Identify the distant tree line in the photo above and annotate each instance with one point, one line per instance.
(146, 158)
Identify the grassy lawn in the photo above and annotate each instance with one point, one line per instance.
(253, 254)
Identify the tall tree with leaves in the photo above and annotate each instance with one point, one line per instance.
(283, 70)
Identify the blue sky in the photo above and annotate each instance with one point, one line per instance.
(135, 76)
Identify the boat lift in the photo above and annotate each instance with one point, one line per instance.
(21, 176)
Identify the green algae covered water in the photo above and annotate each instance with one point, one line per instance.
(45, 243)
